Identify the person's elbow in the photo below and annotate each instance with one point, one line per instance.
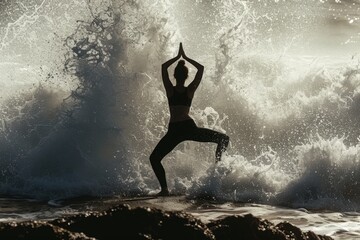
(164, 68)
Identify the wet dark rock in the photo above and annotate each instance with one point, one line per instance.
(139, 223)
(245, 227)
(37, 230)
(296, 234)
(291, 231)
(123, 222)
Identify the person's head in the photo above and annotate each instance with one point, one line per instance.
(181, 72)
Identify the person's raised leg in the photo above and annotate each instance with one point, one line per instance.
(165, 145)
(208, 135)
(223, 143)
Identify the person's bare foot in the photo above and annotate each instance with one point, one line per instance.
(163, 193)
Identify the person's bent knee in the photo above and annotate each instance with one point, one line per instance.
(154, 159)
(224, 138)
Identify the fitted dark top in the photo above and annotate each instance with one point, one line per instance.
(180, 98)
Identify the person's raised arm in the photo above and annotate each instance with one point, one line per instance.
(165, 75)
(200, 70)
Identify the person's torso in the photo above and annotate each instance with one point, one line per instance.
(179, 104)
(180, 98)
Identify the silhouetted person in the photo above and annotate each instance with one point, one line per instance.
(182, 127)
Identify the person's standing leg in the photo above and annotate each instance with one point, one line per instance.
(165, 145)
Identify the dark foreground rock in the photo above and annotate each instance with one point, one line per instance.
(37, 230)
(123, 222)
(250, 227)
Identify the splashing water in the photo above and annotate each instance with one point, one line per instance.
(83, 104)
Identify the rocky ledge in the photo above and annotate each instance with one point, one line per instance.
(124, 222)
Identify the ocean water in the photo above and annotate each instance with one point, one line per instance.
(82, 104)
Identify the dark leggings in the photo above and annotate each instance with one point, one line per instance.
(179, 132)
